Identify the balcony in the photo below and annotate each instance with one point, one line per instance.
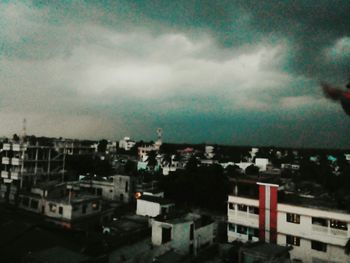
(16, 161)
(5, 160)
(319, 229)
(14, 175)
(6, 147)
(7, 181)
(4, 174)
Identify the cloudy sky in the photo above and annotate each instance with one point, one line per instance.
(228, 72)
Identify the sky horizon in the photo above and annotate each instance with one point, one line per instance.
(226, 72)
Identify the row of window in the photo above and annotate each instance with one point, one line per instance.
(337, 224)
(293, 218)
(244, 208)
(315, 245)
(240, 229)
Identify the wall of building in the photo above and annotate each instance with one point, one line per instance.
(304, 252)
(146, 208)
(303, 229)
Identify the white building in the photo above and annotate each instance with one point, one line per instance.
(185, 234)
(126, 143)
(152, 206)
(116, 188)
(316, 234)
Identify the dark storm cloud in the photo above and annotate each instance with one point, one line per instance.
(221, 71)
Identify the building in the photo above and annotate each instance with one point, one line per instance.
(126, 143)
(316, 230)
(186, 233)
(152, 206)
(264, 252)
(24, 164)
(119, 188)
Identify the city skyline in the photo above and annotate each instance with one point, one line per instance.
(243, 73)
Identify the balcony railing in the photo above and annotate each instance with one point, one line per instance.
(16, 161)
(5, 160)
(4, 174)
(6, 147)
(14, 175)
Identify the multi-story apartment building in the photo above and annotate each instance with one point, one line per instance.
(24, 163)
(316, 231)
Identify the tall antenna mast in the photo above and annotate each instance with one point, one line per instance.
(24, 130)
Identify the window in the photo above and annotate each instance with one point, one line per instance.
(242, 229)
(84, 208)
(25, 201)
(293, 218)
(231, 206)
(52, 208)
(231, 227)
(34, 204)
(338, 224)
(253, 210)
(166, 234)
(191, 232)
(242, 208)
(126, 187)
(99, 191)
(293, 240)
(253, 232)
(319, 221)
(319, 246)
(60, 210)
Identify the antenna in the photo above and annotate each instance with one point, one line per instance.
(24, 129)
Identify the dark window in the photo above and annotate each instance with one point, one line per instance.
(242, 229)
(319, 221)
(99, 191)
(242, 208)
(253, 232)
(126, 187)
(166, 234)
(84, 209)
(293, 218)
(231, 206)
(111, 190)
(253, 210)
(34, 204)
(319, 246)
(338, 224)
(25, 201)
(60, 210)
(191, 232)
(293, 240)
(121, 197)
(231, 227)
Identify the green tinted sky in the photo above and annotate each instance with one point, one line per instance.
(234, 72)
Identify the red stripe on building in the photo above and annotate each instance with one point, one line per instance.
(273, 214)
(262, 212)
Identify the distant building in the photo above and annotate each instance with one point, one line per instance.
(126, 143)
(116, 188)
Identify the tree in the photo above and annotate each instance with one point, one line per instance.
(102, 146)
(252, 170)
